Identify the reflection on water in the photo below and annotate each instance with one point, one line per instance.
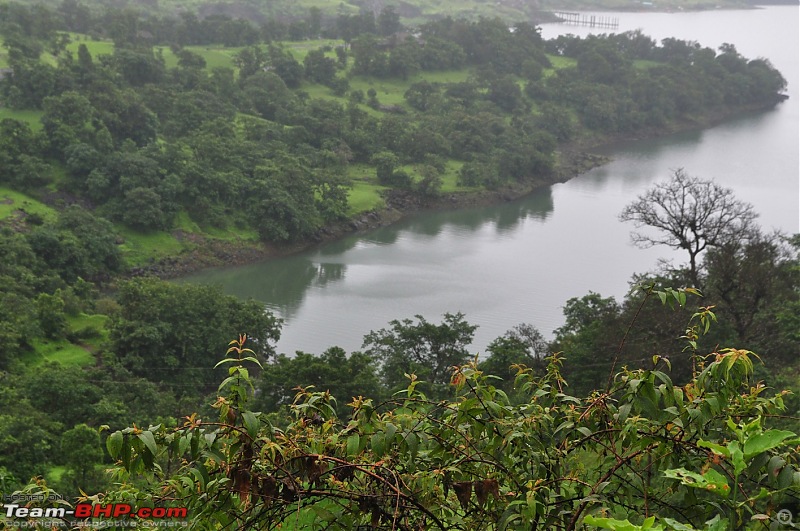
(284, 283)
(520, 261)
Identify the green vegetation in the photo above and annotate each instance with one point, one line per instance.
(60, 351)
(12, 203)
(140, 248)
(663, 456)
(95, 47)
(156, 136)
(364, 196)
(30, 117)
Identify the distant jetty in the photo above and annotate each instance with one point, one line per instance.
(582, 19)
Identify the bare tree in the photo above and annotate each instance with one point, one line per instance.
(691, 214)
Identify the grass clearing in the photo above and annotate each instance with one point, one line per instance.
(299, 49)
(185, 223)
(216, 56)
(365, 193)
(60, 351)
(143, 247)
(232, 233)
(450, 178)
(364, 196)
(90, 328)
(12, 201)
(31, 117)
(95, 48)
(391, 91)
(559, 62)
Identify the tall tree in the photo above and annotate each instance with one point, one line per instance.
(422, 348)
(691, 214)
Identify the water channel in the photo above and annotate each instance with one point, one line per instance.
(520, 261)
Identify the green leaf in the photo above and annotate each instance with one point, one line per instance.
(712, 480)
(717, 524)
(149, 441)
(737, 457)
(114, 444)
(765, 441)
(714, 447)
(353, 444)
(786, 478)
(377, 443)
(251, 423)
(252, 360)
(677, 526)
(183, 444)
(126, 453)
(413, 443)
(391, 429)
(323, 513)
(611, 523)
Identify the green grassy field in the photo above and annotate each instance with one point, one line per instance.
(365, 193)
(140, 248)
(559, 61)
(61, 351)
(95, 48)
(91, 328)
(93, 332)
(215, 56)
(299, 49)
(12, 201)
(186, 224)
(32, 118)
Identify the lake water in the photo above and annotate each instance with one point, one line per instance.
(519, 262)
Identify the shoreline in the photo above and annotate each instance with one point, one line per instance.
(575, 158)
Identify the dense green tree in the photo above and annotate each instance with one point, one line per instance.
(50, 312)
(588, 339)
(82, 453)
(345, 377)
(522, 346)
(385, 163)
(753, 283)
(28, 436)
(404, 60)
(285, 66)
(319, 68)
(174, 333)
(368, 59)
(422, 348)
(138, 67)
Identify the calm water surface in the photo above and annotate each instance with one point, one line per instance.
(519, 262)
